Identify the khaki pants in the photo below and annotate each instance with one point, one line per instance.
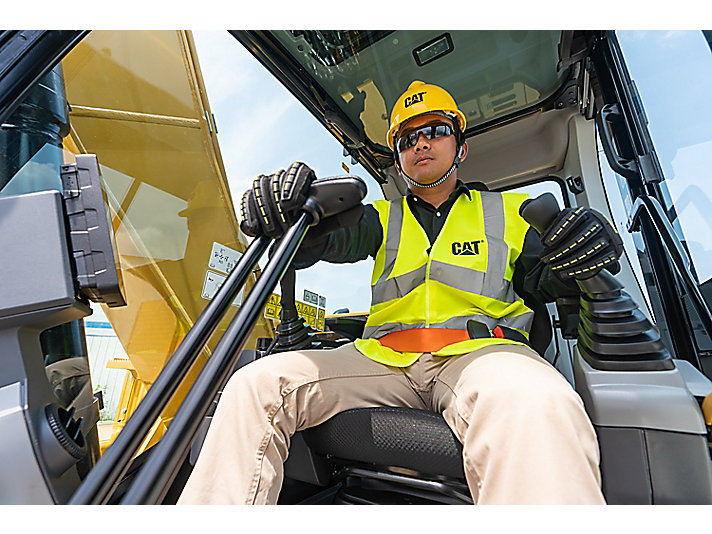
(526, 437)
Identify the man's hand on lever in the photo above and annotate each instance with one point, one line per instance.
(274, 201)
(578, 242)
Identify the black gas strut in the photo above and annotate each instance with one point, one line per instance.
(103, 479)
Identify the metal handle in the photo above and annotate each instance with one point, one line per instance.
(625, 167)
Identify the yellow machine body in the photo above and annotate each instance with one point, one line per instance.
(138, 102)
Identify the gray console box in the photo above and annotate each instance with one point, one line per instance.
(658, 400)
(651, 433)
(35, 263)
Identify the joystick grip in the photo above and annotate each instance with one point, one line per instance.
(540, 212)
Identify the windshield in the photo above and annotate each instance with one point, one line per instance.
(491, 74)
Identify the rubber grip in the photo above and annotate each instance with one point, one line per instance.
(540, 212)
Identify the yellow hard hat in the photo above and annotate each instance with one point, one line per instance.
(420, 98)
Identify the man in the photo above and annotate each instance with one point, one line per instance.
(447, 330)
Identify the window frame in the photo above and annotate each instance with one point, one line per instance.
(550, 178)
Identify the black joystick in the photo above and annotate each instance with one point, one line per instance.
(540, 212)
(613, 334)
(292, 332)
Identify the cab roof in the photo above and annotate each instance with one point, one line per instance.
(351, 79)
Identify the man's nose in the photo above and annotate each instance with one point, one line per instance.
(422, 143)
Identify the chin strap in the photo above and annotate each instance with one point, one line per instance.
(455, 165)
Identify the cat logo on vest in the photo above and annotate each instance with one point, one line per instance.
(466, 248)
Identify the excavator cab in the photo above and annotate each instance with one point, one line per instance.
(548, 111)
(553, 111)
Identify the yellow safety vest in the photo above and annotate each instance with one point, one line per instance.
(466, 274)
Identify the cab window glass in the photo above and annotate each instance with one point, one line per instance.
(137, 101)
(536, 189)
(490, 74)
(264, 128)
(620, 201)
(672, 71)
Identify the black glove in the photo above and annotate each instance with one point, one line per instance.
(274, 201)
(579, 243)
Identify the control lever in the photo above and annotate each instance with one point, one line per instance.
(328, 197)
(333, 195)
(540, 213)
(292, 332)
(613, 334)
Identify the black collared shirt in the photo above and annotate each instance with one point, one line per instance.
(431, 218)
(532, 279)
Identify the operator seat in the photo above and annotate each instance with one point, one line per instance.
(396, 451)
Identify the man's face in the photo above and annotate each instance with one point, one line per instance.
(427, 160)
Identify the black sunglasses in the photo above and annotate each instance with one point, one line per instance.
(431, 130)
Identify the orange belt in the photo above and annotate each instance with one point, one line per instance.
(423, 339)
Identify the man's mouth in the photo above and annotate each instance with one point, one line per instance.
(423, 160)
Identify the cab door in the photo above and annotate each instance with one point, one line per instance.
(654, 127)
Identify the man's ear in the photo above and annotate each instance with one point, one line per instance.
(463, 151)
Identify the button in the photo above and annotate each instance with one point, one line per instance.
(437, 213)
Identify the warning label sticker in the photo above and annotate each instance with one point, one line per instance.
(311, 298)
(212, 283)
(273, 307)
(313, 316)
(222, 258)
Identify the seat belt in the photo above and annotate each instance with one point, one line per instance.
(434, 339)
(423, 339)
(477, 330)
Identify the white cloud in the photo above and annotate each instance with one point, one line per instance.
(676, 34)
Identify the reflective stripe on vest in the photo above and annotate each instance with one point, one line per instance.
(466, 274)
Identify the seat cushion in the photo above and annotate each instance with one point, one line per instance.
(400, 437)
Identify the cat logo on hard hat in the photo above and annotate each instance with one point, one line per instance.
(414, 99)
